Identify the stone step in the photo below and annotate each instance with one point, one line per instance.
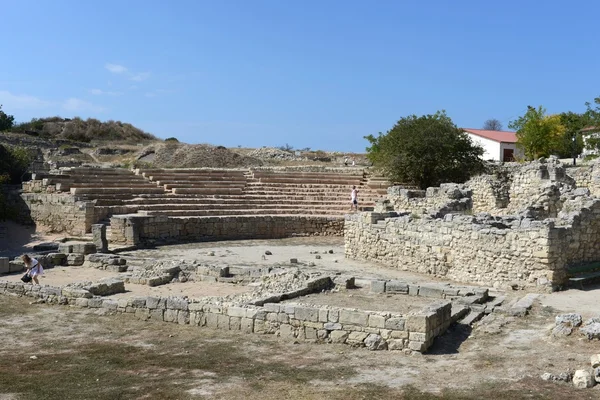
(319, 181)
(204, 185)
(95, 184)
(190, 207)
(232, 202)
(272, 185)
(193, 178)
(207, 191)
(474, 315)
(275, 211)
(356, 174)
(109, 201)
(97, 171)
(99, 182)
(116, 190)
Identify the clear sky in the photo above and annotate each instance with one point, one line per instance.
(319, 74)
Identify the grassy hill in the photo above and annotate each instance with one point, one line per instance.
(77, 129)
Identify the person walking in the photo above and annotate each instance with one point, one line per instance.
(354, 199)
(34, 268)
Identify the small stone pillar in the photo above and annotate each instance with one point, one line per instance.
(99, 237)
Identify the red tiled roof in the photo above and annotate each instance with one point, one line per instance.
(497, 136)
(589, 129)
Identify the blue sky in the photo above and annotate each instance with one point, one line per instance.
(318, 74)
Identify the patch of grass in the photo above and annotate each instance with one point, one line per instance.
(11, 306)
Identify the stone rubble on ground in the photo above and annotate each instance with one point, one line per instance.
(583, 379)
(565, 323)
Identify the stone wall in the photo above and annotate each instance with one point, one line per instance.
(579, 235)
(141, 230)
(484, 250)
(449, 197)
(538, 186)
(59, 213)
(375, 330)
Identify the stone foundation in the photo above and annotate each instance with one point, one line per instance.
(139, 230)
(374, 330)
(59, 213)
(482, 249)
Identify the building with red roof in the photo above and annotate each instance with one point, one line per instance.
(497, 145)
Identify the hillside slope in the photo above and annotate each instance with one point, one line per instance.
(80, 130)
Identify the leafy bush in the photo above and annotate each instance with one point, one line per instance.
(6, 121)
(14, 162)
(172, 139)
(425, 151)
(80, 130)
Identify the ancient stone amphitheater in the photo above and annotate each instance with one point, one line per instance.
(156, 205)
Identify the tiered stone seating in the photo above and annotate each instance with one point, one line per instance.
(87, 183)
(213, 192)
(94, 183)
(198, 181)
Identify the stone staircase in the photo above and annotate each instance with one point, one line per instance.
(217, 192)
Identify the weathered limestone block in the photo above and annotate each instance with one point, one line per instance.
(106, 287)
(395, 344)
(72, 292)
(99, 237)
(583, 379)
(572, 319)
(306, 314)
(395, 323)
(56, 259)
(396, 287)
(356, 338)
(338, 336)
(16, 266)
(359, 318)
(75, 259)
(4, 265)
(177, 303)
(84, 248)
(375, 342)
(376, 321)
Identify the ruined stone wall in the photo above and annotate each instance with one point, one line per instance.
(580, 231)
(448, 197)
(59, 212)
(582, 175)
(142, 230)
(376, 330)
(490, 251)
(538, 186)
(490, 193)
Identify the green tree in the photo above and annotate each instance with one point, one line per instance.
(425, 151)
(593, 141)
(6, 121)
(538, 134)
(571, 142)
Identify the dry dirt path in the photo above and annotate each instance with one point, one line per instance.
(84, 354)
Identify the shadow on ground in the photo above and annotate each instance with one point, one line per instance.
(451, 340)
(15, 239)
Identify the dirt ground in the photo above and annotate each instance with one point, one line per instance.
(88, 354)
(76, 353)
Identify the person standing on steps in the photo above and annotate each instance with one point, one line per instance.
(354, 199)
(34, 269)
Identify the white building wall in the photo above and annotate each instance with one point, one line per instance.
(490, 147)
(518, 152)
